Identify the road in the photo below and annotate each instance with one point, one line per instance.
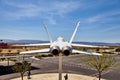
(71, 64)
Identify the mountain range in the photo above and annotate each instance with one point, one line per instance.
(41, 41)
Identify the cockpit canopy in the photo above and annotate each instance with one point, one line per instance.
(60, 39)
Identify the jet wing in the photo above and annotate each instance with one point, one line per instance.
(40, 44)
(46, 50)
(84, 52)
(82, 45)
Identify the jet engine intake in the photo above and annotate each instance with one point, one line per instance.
(66, 50)
(55, 50)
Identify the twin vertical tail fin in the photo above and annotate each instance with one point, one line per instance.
(74, 33)
(47, 33)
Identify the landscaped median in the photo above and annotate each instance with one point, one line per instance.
(54, 76)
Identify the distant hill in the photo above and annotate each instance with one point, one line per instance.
(99, 43)
(23, 41)
(40, 41)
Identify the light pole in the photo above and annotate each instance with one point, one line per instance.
(60, 66)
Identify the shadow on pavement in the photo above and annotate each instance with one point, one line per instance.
(8, 69)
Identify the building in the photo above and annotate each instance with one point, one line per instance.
(3, 45)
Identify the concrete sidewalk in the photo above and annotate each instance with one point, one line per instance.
(54, 76)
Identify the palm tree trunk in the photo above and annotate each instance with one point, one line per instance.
(99, 75)
(21, 76)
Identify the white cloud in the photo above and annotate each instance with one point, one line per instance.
(111, 29)
(42, 10)
(103, 17)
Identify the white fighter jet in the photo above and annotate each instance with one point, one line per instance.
(60, 45)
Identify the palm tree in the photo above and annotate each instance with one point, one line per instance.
(97, 50)
(22, 67)
(118, 50)
(100, 63)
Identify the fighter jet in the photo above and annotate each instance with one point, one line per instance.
(60, 45)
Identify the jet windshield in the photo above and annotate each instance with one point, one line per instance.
(60, 39)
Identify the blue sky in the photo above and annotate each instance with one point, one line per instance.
(22, 19)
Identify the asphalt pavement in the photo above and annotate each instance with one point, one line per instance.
(71, 64)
